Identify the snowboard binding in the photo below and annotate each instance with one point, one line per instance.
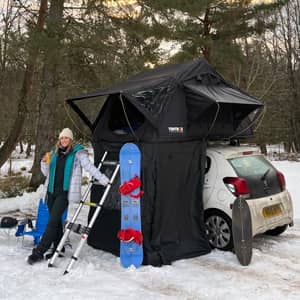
(129, 186)
(130, 235)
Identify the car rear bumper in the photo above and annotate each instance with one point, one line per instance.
(270, 212)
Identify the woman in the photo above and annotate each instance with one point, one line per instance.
(63, 180)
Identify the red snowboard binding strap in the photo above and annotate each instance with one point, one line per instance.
(129, 186)
(130, 235)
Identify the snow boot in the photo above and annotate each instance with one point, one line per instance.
(35, 257)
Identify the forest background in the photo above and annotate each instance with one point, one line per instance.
(52, 50)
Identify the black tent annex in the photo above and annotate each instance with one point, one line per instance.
(169, 112)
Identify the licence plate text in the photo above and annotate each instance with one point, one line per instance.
(272, 211)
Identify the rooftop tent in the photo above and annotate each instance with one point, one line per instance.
(182, 101)
(234, 108)
(170, 112)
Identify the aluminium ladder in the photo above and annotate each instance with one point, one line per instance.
(85, 230)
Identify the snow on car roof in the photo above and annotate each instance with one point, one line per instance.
(234, 151)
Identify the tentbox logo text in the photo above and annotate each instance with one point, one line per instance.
(176, 130)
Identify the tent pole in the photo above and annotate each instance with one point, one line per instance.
(126, 117)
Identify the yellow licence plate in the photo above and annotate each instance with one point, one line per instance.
(272, 211)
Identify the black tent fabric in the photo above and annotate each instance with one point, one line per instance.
(172, 211)
(179, 102)
(169, 112)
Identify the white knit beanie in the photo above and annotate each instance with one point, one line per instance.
(66, 132)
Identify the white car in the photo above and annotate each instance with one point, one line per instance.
(233, 171)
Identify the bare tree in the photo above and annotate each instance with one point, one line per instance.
(49, 91)
(289, 33)
(8, 19)
(282, 52)
(16, 130)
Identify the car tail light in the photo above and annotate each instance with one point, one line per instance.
(237, 186)
(281, 180)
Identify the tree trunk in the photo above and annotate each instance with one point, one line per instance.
(28, 150)
(206, 34)
(10, 167)
(45, 131)
(21, 147)
(16, 130)
(291, 73)
(263, 148)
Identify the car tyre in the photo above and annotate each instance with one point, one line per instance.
(218, 229)
(277, 231)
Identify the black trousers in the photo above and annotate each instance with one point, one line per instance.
(57, 203)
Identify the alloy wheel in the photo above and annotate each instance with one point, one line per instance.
(219, 232)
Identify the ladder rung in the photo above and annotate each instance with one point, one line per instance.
(90, 203)
(76, 227)
(110, 163)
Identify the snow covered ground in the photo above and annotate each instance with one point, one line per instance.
(274, 272)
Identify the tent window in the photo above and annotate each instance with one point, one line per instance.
(118, 122)
(90, 107)
(147, 98)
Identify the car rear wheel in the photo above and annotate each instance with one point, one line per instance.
(277, 231)
(218, 229)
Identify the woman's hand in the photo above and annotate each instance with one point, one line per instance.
(46, 158)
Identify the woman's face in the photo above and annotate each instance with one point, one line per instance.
(64, 141)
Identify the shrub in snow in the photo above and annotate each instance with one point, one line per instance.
(13, 186)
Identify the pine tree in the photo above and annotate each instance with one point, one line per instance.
(209, 28)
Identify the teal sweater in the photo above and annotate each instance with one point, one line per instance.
(67, 170)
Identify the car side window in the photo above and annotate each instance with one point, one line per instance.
(207, 165)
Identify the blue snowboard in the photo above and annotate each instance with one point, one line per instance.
(131, 253)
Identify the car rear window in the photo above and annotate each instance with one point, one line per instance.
(259, 174)
(251, 165)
